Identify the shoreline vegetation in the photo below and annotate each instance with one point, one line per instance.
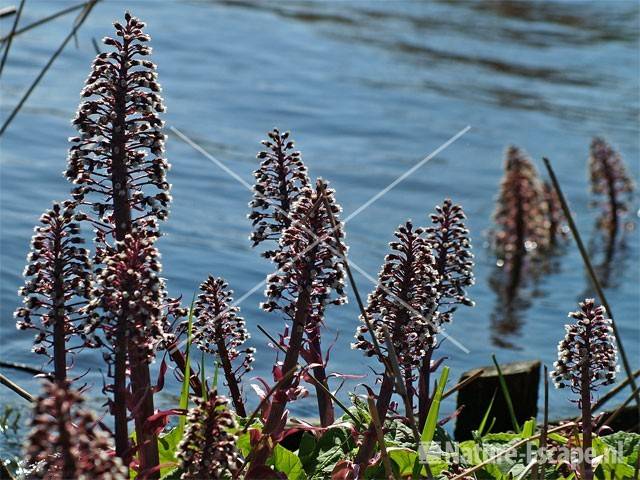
(110, 296)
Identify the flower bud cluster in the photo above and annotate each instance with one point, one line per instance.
(405, 299)
(129, 286)
(520, 215)
(118, 154)
(280, 181)
(208, 449)
(64, 441)
(609, 178)
(450, 245)
(588, 346)
(309, 258)
(58, 279)
(217, 328)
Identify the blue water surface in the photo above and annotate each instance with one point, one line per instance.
(368, 90)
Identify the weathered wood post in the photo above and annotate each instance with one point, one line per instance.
(522, 380)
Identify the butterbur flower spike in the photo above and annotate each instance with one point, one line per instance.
(587, 356)
(449, 240)
(405, 302)
(309, 259)
(587, 359)
(280, 181)
(117, 161)
(310, 276)
(520, 211)
(218, 330)
(405, 299)
(117, 164)
(65, 443)
(58, 286)
(208, 449)
(609, 178)
(309, 256)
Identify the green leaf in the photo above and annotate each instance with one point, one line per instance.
(528, 429)
(405, 459)
(244, 444)
(307, 451)
(168, 448)
(609, 461)
(483, 423)
(507, 396)
(434, 409)
(628, 444)
(288, 463)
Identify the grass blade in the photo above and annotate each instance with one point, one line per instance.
(507, 396)
(80, 20)
(483, 423)
(434, 409)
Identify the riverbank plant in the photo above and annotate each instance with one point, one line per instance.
(112, 296)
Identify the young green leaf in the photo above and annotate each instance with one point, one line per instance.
(507, 396)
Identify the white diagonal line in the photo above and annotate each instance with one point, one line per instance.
(197, 147)
(385, 190)
(237, 177)
(406, 305)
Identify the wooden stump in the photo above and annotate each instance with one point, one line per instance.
(522, 380)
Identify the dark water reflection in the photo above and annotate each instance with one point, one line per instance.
(369, 89)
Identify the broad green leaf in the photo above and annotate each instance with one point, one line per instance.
(288, 463)
(244, 444)
(609, 463)
(628, 444)
(167, 449)
(405, 459)
(307, 451)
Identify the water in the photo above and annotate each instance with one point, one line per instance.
(368, 89)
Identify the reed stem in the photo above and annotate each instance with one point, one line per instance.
(13, 29)
(594, 279)
(78, 23)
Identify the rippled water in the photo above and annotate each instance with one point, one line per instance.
(368, 90)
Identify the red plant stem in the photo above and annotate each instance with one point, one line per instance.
(232, 381)
(325, 405)
(59, 337)
(424, 380)
(274, 421)
(365, 452)
(63, 422)
(585, 403)
(178, 358)
(408, 384)
(139, 369)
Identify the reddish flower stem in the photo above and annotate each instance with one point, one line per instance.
(139, 369)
